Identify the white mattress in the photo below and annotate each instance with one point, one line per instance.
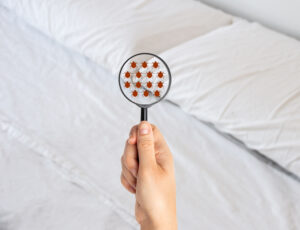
(63, 124)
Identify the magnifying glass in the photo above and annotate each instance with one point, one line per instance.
(145, 79)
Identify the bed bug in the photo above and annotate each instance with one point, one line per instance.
(127, 84)
(127, 74)
(133, 64)
(160, 74)
(149, 74)
(138, 74)
(155, 64)
(144, 64)
(138, 85)
(157, 93)
(134, 93)
(146, 93)
(149, 84)
(160, 84)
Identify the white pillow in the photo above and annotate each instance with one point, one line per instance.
(109, 32)
(245, 79)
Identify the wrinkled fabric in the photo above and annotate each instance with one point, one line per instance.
(63, 125)
(245, 79)
(109, 32)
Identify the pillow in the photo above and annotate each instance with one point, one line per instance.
(245, 79)
(109, 32)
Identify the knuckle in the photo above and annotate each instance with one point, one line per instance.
(128, 162)
(145, 144)
(132, 130)
(131, 165)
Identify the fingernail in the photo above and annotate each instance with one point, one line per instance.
(144, 129)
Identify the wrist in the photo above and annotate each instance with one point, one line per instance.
(162, 224)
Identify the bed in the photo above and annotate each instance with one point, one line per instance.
(63, 125)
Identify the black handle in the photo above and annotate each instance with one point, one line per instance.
(144, 114)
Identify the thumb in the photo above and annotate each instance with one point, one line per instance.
(145, 145)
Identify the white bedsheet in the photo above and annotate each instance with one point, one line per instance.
(109, 31)
(63, 124)
(244, 79)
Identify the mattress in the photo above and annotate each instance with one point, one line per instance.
(63, 125)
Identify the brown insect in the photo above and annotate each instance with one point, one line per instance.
(160, 84)
(138, 85)
(133, 64)
(127, 74)
(138, 74)
(127, 84)
(144, 64)
(134, 93)
(155, 64)
(160, 74)
(157, 93)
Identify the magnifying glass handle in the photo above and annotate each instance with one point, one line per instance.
(144, 114)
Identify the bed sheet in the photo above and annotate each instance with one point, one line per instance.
(63, 125)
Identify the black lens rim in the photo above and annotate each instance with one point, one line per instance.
(167, 91)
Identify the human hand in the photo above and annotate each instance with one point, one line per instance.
(148, 171)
